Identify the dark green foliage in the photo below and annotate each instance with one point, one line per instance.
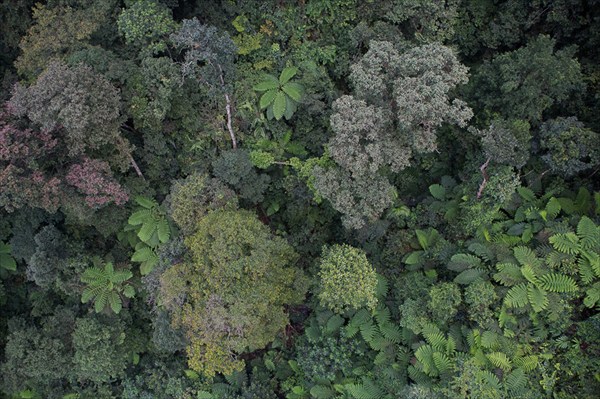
(524, 83)
(58, 31)
(32, 359)
(196, 195)
(6, 260)
(208, 53)
(99, 348)
(568, 147)
(84, 103)
(44, 264)
(235, 168)
(229, 306)
(347, 279)
(322, 208)
(507, 142)
(145, 25)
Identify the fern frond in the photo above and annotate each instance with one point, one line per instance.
(588, 233)
(567, 243)
(460, 262)
(586, 272)
(553, 208)
(529, 274)
(163, 230)
(469, 276)
(114, 300)
(500, 360)
(101, 300)
(526, 256)
(90, 292)
(392, 332)
(121, 276)
(489, 340)
(592, 296)
(322, 392)
(424, 355)
(481, 251)
(379, 342)
(442, 362)
(367, 390)
(418, 376)
(382, 287)
(450, 345)
(144, 254)
(505, 318)
(382, 315)
(383, 357)
(538, 298)
(436, 340)
(516, 297)
(508, 274)
(93, 276)
(147, 231)
(139, 217)
(368, 331)
(527, 363)
(516, 381)
(490, 379)
(555, 282)
(555, 259)
(147, 203)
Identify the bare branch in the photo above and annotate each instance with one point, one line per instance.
(482, 168)
(228, 109)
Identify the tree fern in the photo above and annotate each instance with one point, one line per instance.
(152, 220)
(153, 228)
(106, 286)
